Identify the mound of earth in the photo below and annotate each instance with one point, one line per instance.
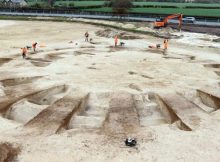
(167, 35)
(109, 33)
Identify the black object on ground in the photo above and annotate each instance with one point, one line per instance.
(130, 142)
(122, 44)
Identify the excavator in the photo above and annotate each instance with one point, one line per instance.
(163, 22)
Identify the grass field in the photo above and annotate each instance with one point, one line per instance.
(188, 12)
(179, 5)
(81, 3)
(188, 9)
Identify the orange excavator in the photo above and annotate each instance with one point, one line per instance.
(163, 22)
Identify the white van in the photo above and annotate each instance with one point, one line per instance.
(189, 20)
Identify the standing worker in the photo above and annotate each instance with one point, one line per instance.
(34, 45)
(24, 52)
(86, 36)
(165, 45)
(116, 41)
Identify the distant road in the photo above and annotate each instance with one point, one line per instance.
(99, 17)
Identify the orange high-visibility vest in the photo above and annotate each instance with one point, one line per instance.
(116, 39)
(34, 45)
(24, 50)
(165, 44)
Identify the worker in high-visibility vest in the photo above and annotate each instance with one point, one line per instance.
(24, 52)
(116, 41)
(34, 46)
(165, 44)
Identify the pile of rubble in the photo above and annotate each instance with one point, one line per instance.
(110, 33)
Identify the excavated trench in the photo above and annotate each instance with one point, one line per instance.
(122, 118)
(168, 113)
(59, 49)
(122, 113)
(114, 113)
(18, 81)
(27, 108)
(83, 52)
(170, 116)
(15, 94)
(49, 96)
(212, 65)
(118, 48)
(55, 117)
(148, 110)
(4, 60)
(39, 62)
(54, 56)
(92, 112)
(218, 73)
(87, 47)
(155, 51)
(209, 99)
(8, 153)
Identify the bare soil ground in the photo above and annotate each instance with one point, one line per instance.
(200, 29)
(73, 100)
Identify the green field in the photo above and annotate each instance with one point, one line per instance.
(188, 9)
(32, 2)
(81, 3)
(184, 11)
(179, 5)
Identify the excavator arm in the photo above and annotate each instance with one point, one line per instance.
(163, 23)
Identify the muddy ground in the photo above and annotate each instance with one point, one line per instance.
(73, 100)
(199, 29)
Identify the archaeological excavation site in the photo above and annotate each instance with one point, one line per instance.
(73, 100)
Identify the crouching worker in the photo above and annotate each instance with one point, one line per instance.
(34, 46)
(24, 52)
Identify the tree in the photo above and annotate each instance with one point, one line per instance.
(50, 3)
(121, 7)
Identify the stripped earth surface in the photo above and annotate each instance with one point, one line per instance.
(73, 100)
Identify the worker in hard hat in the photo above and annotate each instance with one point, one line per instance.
(24, 52)
(34, 46)
(116, 40)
